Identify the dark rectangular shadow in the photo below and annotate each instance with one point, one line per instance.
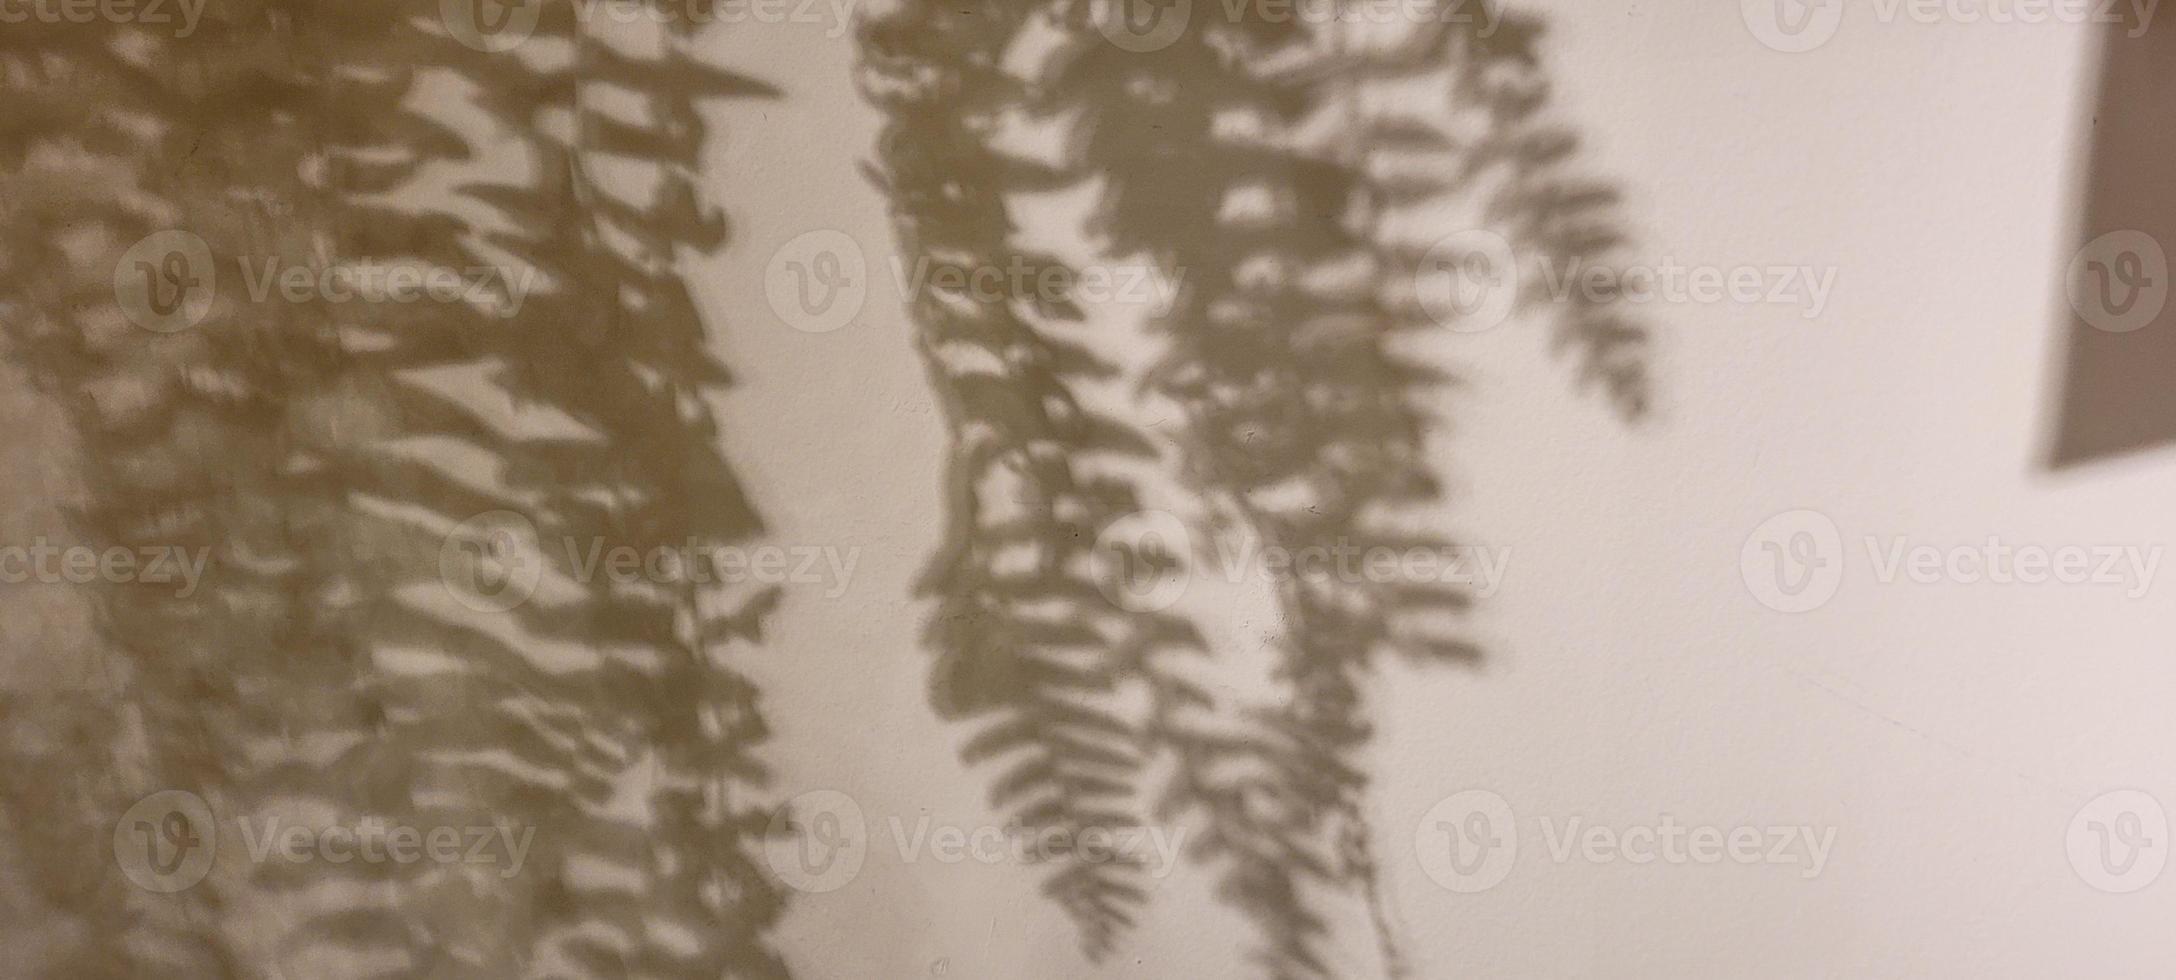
(2118, 382)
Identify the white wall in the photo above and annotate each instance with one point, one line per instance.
(1947, 733)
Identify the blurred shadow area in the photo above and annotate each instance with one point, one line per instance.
(2118, 380)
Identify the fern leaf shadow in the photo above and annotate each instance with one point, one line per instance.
(1248, 159)
(329, 456)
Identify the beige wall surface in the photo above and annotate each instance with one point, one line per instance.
(1754, 700)
(1946, 733)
